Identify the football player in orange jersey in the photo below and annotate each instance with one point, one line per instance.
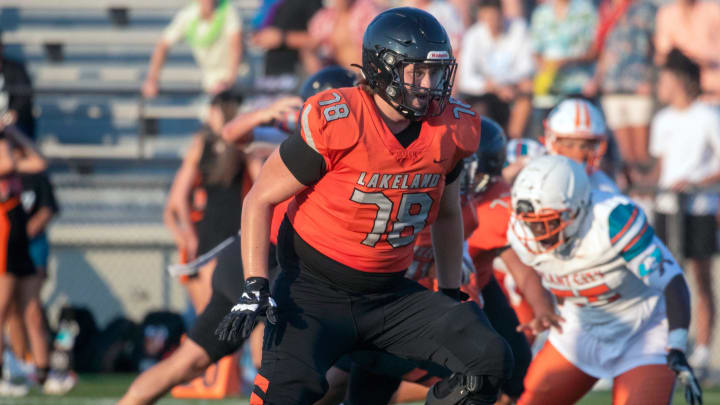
(371, 167)
(376, 376)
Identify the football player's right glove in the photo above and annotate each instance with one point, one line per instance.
(677, 362)
(255, 301)
(456, 294)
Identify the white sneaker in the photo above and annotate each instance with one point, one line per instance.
(11, 389)
(59, 383)
(699, 360)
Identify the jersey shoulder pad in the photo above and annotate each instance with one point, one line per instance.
(628, 229)
(463, 124)
(328, 120)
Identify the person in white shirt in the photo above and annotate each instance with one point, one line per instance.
(212, 28)
(685, 141)
(497, 59)
(623, 298)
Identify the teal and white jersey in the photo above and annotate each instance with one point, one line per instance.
(601, 181)
(613, 271)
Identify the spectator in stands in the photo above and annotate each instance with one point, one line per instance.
(202, 208)
(448, 16)
(213, 31)
(685, 140)
(692, 27)
(285, 38)
(16, 94)
(336, 33)
(562, 36)
(497, 59)
(624, 76)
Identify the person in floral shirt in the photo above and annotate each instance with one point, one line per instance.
(562, 37)
(624, 75)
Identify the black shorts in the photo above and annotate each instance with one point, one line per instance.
(227, 286)
(699, 234)
(14, 245)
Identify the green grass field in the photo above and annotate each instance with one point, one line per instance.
(105, 389)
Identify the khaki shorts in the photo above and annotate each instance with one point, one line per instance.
(627, 110)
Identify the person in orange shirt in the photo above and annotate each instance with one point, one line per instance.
(372, 166)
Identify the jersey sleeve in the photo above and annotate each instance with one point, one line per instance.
(46, 194)
(464, 126)
(327, 125)
(632, 237)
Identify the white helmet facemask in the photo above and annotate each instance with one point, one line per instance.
(550, 198)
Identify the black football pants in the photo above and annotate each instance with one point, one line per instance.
(319, 323)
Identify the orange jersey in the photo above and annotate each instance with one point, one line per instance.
(493, 212)
(470, 222)
(277, 217)
(376, 195)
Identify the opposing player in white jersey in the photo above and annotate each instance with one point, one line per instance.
(623, 297)
(576, 128)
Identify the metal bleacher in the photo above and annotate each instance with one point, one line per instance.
(88, 60)
(113, 154)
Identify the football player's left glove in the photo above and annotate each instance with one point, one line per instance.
(678, 363)
(255, 301)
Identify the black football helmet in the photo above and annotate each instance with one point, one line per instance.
(331, 77)
(404, 37)
(489, 159)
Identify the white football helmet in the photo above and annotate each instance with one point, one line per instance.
(576, 128)
(550, 197)
(520, 147)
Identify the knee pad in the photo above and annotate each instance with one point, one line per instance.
(460, 389)
(467, 333)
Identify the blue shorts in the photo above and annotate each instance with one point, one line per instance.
(40, 250)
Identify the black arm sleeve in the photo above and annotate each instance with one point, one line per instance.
(677, 300)
(304, 163)
(454, 173)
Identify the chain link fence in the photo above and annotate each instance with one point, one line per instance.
(109, 248)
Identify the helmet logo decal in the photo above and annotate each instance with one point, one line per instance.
(581, 108)
(434, 55)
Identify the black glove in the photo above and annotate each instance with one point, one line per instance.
(456, 294)
(255, 301)
(677, 362)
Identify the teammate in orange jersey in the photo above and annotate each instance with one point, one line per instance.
(371, 167)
